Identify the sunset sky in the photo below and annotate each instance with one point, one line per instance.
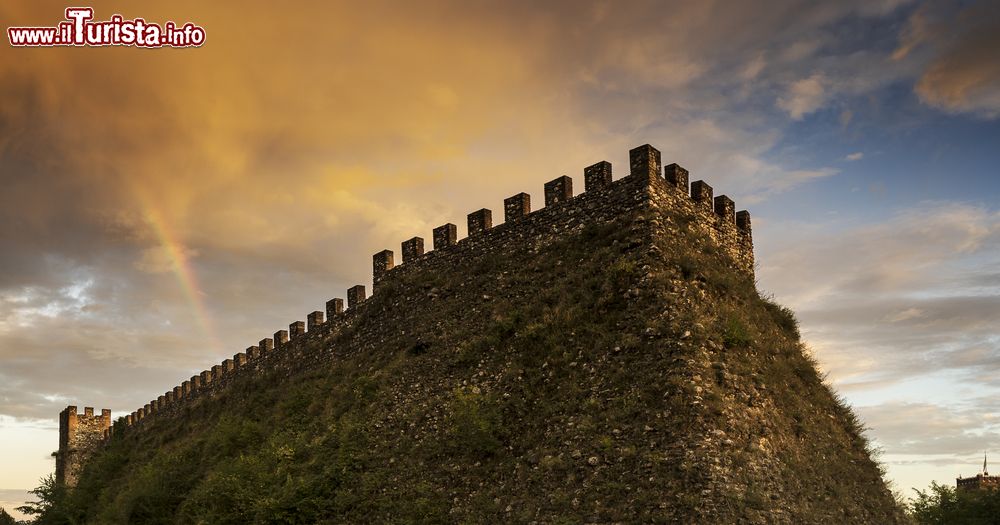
(163, 209)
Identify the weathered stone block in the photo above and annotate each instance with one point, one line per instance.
(516, 207)
(280, 338)
(186, 388)
(597, 176)
(644, 162)
(206, 377)
(228, 367)
(480, 221)
(355, 295)
(296, 330)
(445, 235)
(701, 193)
(195, 382)
(412, 248)
(382, 262)
(178, 393)
(216, 372)
(558, 190)
(314, 320)
(676, 176)
(725, 208)
(334, 307)
(743, 221)
(239, 360)
(266, 346)
(253, 353)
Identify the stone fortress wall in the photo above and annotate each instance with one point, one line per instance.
(647, 186)
(79, 436)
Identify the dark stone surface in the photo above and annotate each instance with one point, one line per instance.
(597, 176)
(558, 190)
(516, 207)
(480, 221)
(743, 221)
(296, 329)
(280, 338)
(725, 208)
(676, 176)
(314, 320)
(701, 193)
(381, 263)
(412, 248)
(355, 296)
(644, 162)
(334, 307)
(445, 236)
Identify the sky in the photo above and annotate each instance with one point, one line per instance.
(163, 209)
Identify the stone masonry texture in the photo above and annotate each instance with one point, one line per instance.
(602, 203)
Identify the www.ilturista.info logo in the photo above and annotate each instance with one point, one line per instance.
(79, 29)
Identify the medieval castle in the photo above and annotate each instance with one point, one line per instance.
(646, 186)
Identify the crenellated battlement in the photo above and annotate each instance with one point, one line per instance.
(647, 186)
(667, 187)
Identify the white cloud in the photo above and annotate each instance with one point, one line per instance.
(895, 318)
(855, 156)
(803, 97)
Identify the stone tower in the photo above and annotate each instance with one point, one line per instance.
(79, 436)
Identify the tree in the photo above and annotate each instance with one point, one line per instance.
(942, 504)
(6, 519)
(51, 506)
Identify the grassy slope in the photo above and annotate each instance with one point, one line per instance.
(601, 378)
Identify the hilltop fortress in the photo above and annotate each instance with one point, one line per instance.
(605, 358)
(647, 185)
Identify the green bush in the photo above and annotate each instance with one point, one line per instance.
(735, 333)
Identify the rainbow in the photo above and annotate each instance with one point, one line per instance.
(180, 266)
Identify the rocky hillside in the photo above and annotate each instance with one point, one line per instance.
(620, 372)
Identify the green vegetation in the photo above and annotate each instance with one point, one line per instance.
(591, 379)
(735, 334)
(51, 505)
(941, 505)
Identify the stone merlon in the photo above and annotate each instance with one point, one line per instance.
(480, 221)
(445, 236)
(558, 190)
(516, 207)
